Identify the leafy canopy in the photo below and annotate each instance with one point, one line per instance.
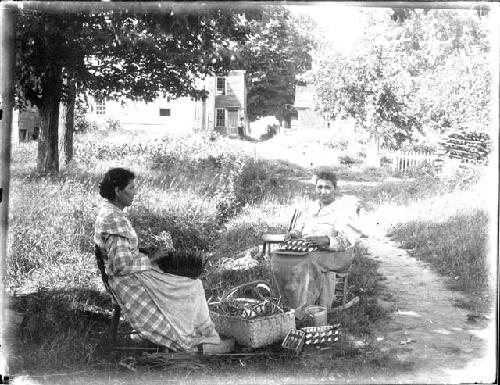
(410, 76)
(122, 52)
(278, 49)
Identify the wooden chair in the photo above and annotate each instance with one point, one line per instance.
(341, 291)
(341, 286)
(113, 331)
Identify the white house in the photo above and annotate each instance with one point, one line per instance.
(221, 111)
(307, 116)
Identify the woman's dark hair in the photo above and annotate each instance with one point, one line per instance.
(116, 177)
(327, 175)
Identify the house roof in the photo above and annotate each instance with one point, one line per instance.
(225, 101)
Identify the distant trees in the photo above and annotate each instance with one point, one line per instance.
(278, 49)
(409, 76)
(111, 53)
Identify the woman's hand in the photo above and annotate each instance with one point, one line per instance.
(158, 253)
(319, 240)
(338, 244)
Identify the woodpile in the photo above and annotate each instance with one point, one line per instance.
(469, 147)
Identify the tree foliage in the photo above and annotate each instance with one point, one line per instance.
(413, 73)
(115, 53)
(278, 49)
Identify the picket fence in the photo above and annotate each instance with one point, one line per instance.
(405, 161)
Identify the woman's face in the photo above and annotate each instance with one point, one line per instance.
(325, 191)
(125, 196)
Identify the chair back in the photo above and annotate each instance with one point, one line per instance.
(99, 256)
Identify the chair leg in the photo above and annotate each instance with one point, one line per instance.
(341, 286)
(344, 296)
(115, 321)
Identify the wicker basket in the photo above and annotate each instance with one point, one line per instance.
(256, 332)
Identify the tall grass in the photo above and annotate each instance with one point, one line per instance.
(444, 220)
(457, 246)
(214, 194)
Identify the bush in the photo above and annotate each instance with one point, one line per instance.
(420, 147)
(424, 170)
(349, 160)
(113, 125)
(83, 125)
(191, 227)
(92, 150)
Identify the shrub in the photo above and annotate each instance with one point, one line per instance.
(83, 125)
(188, 218)
(424, 170)
(349, 159)
(113, 125)
(420, 147)
(91, 150)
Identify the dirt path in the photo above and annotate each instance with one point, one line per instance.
(427, 339)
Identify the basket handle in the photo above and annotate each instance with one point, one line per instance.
(228, 293)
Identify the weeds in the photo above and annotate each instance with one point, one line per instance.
(211, 195)
(457, 247)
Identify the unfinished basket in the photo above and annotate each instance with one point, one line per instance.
(254, 332)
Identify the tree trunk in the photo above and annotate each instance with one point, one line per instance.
(48, 150)
(69, 123)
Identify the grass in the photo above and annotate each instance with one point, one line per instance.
(219, 196)
(445, 221)
(457, 248)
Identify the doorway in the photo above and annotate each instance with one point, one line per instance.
(232, 122)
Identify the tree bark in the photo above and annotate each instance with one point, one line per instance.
(68, 128)
(48, 150)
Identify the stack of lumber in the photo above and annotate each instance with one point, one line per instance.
(469, 147)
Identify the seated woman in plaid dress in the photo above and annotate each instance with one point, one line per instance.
(168, 310)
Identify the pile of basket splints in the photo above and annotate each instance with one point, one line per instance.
(251, 307)
(247, 308)
(300, 245)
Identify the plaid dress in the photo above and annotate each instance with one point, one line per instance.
(168, 310)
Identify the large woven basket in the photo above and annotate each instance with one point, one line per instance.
(256, 332)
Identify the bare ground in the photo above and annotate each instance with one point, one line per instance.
(427, 337)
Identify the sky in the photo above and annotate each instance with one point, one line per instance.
(342, 24)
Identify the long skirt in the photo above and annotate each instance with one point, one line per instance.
(309, 279)
(168, 310)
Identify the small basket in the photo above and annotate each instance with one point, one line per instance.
(294, 341)
(321, 335)
(254, 332)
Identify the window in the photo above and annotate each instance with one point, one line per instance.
(164, 111)
(221, 86)
(220, 118)
(100, 107)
